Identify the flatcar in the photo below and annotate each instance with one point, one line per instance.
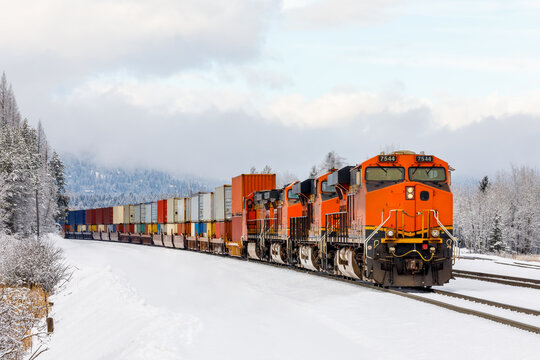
(387, 220)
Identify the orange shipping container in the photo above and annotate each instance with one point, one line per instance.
(245, 184)
(162, 211)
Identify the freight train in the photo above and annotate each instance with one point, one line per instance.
(387, 220)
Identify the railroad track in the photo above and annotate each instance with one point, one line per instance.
(404, 293)
(500, 279)
(521, 265)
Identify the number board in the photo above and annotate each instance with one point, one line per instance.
(424, 158)
(387, 158)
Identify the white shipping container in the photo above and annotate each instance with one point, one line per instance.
(223, 203)
(188, 209)
(205, 206)
(195, 208)
(154, 213)
(132, 214)
(126, 214)
(143, 213)
(172, 210)
(137, 217)
(118, 215)
(148, 213)
(181, 208)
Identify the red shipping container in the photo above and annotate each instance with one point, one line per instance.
(245, 184)
(120, 228)
(162, 211)
(99, 216)
(236, 231)
(223, 230)
(87, 217)
(108, 216)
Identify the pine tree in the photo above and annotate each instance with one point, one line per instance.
(484, 184)
(495, 242)
(62, 199)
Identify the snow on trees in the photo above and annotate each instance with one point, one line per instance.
(500, 215)
(31, 183)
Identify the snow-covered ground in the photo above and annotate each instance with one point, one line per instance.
(137, 302)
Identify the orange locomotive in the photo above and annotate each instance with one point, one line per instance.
(387, 220)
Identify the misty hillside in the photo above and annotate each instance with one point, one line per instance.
(90, 185)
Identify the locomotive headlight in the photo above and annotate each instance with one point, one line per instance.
(409, 192)
(435, 233)
(390, 233)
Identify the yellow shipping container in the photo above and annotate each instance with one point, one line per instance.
(211, 229)
(102, 228)
(170, 229)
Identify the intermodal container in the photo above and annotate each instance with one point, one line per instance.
(181, 209)
(126, 214)
(162, 211)
(81, 217)
(170, 229)
(223, 203)
(205, 206)
(245, 184)
(223, 230)
(198, 229)
(236, 231)
(118, 215)
(154, 213)
(99, 216)
(194, 208)
(137, 214)
(147, 219)
(108, 216)
(88, 218)
(142, 208)
(131, 214)
(172, 210)
(184, 210)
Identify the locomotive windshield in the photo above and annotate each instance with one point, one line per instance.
(292, 196)
(434, 174)
(325, 188)
(385, 173)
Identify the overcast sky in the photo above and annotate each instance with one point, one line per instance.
(213, 87)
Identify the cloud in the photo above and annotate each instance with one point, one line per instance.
(220, 144)
(147, 35)
(328, 13)
(199, 93)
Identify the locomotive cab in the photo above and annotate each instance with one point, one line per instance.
(408, 217)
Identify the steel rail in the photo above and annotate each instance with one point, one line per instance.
(487, 302)
(500, 279)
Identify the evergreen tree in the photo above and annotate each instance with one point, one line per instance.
(56, 167)
(495, 242)
(484, 184)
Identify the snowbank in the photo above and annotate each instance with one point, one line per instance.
(138, 302)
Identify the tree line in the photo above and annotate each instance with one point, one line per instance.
(32, 182)
(500, 215)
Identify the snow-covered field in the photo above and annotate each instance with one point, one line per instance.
(137, 302)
